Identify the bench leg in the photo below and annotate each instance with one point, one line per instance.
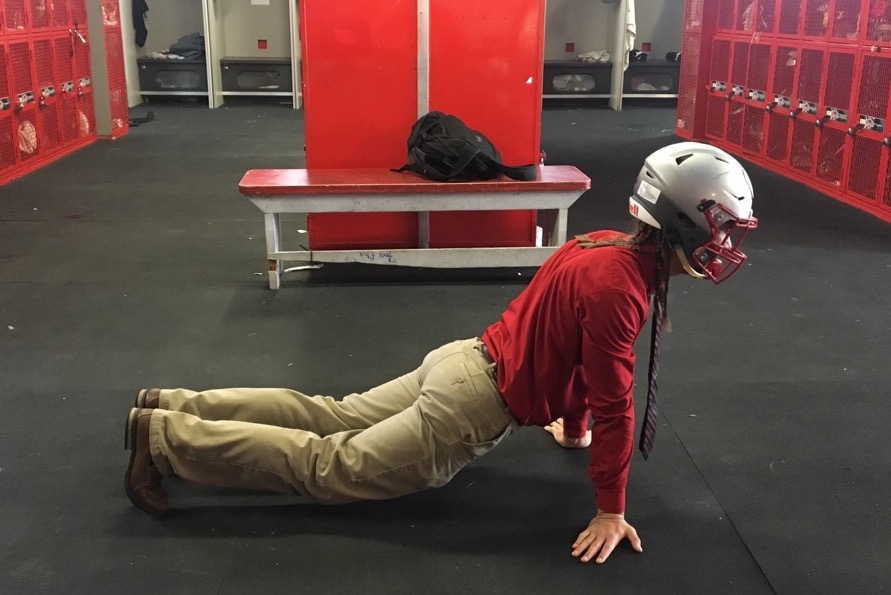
(558, 237)
(273, 246)
(553, 225)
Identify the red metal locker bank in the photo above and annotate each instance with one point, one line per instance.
(46, 82)
(801, 88)
(367, 78)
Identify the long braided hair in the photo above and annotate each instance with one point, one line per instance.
(645, 236)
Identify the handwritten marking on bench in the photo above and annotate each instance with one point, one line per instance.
(377, 255)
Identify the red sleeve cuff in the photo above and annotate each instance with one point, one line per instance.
(572, 429)
(611, 502)
(576, 426)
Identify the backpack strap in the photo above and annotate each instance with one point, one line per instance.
(523, 173)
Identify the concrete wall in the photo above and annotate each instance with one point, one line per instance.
(244, 24)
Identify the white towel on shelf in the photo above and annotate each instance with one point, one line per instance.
(630, 31)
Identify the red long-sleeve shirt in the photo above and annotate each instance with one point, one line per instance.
(565, 348)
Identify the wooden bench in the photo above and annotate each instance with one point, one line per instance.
(278, 191)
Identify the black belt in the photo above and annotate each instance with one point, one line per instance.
(486, 354)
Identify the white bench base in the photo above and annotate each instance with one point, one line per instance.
(278, 192)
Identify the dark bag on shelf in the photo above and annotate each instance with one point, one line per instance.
(442, 148)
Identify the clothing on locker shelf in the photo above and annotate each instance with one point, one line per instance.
(630, 32)
(189, 46)
(140, 8)
(596, 56)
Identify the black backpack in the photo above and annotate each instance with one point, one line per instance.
(442, 148)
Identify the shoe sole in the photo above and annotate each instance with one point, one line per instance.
(140, 398)
(130, 444)
(130, 430)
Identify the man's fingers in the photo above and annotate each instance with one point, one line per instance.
(593, 549)
(598, 541)
(634, 539)
(606, 550)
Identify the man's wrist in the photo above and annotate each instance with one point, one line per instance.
(612, 516)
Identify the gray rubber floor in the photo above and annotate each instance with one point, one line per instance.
(137, 263)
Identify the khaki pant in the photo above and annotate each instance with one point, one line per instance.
(409, 434)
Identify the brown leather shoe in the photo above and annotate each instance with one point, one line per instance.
(148, 398)
(142, 482)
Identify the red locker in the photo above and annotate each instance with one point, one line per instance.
(360, 84)
(83, 88)
(15, 17)
(47, 108)
(117, 81)
(361, 90)
(789, 21)
(845, 21)
(25, 133)
(720, 90)
(40, 15)
(756, 98)
(868, 129)
(59, 14)
(878, 30)
(494, 86)
(77, 15)
(64, 47)
(7, 144)
(810, 77)
(834, 117)
(782, 95)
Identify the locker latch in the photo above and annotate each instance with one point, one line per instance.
(867, 123)
(833, 114)
(23, 99)
(76, 34)
(804, 107)
(46, 92)
(756, 95)
(5, 104)
(779, 101)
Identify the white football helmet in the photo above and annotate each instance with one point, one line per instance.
(701, 198)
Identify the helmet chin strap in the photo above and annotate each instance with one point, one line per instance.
(686, 264)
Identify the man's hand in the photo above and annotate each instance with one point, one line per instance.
(555, 429)
(603, 534)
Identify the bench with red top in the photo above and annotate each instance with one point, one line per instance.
(278, 191)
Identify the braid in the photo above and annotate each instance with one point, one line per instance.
(647, 234)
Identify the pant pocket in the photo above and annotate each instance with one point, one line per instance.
(478, 449)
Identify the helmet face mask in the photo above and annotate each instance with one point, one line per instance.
(701, 199)
(720, 257)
